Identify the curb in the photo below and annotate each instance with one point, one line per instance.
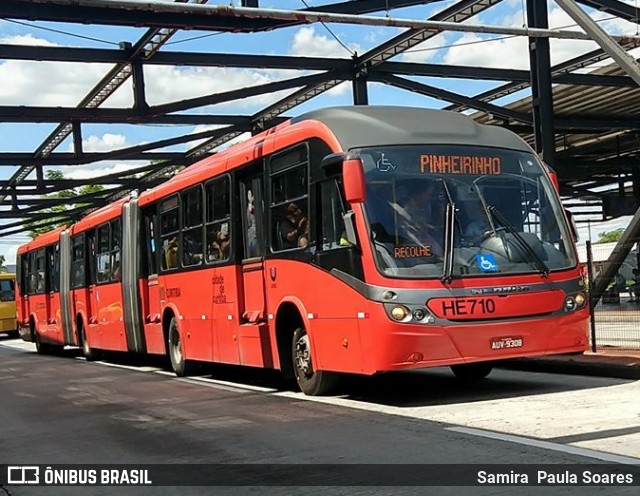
(620, 367)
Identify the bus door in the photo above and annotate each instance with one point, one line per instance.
(54, 318)
(93, 297)
(254, 333)
(150, 286)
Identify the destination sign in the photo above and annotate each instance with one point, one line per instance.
(412, 251)
(461, 164)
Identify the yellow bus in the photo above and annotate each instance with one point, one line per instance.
(8, 305)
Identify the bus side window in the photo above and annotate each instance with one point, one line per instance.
(116, 235)
(77, 261)
(334, 233)
(169, 232)
(289, 186)
(102, 259)
(39, 274)
(53, 269)
(152, 261)
(218, 221)
(192, 253)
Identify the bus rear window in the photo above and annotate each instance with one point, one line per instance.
(7, 290)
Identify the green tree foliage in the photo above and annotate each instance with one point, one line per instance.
(35, 228)
(3, 269)
(610, 236)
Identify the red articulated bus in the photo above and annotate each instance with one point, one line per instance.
(346, 240)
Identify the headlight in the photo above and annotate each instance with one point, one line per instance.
(400, 312)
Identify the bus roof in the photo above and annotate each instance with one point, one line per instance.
(7, 275)
(374, 125)
(101, 215)
(45, 239)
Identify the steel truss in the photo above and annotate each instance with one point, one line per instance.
(545, 127)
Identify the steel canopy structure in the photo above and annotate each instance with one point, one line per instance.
(585, 124)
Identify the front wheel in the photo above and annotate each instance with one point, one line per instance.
(179, 363)
(310, 382)
(472, 371)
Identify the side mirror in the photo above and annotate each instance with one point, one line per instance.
(332, 164)
(353, 180)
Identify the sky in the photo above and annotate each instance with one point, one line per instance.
(65, 84)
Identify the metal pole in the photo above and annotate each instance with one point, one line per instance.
(592, 302)
(309, 17)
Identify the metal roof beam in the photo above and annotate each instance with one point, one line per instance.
(602, 38)
(156, 15)
(619, 9)
(117, 115)
(238, 94)
(70, 159)
(216, 18)
(458, 12)
(449, 96)
(579, 62)
(487, 73)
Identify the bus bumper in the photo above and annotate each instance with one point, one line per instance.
(409, 346)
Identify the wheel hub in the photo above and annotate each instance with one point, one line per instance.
(303, 355)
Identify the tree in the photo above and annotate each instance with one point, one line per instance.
(610, 236)
(55, 211)
(3, 269)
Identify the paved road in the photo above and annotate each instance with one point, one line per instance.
(61, 409)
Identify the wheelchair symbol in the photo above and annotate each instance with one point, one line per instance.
(383, 164)
(487, 263)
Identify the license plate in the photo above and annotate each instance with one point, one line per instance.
(506, 343)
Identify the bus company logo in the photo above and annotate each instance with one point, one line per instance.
(500, 290)
(23, 474)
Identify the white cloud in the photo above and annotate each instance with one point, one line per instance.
(101, 169)
(308, 43)
(105, 143)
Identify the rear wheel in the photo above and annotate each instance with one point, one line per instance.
(41, 348)
(89, 353)
(472, 371)
(179, 363)
(311, 382)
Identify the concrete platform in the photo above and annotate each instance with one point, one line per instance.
(623, 364)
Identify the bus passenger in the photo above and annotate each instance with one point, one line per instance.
(191, 250)
(252, 232)
(171, 253)
(295, 228)
(219, 247)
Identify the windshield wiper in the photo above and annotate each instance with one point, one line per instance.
(522, 243)
(450, 222)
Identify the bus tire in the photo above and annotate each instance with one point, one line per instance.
(89, 353)
(13, 334)
(472, 371)
(41, 348)
(175, 349)
(311, 382)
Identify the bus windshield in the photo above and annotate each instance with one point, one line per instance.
(503, 214)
